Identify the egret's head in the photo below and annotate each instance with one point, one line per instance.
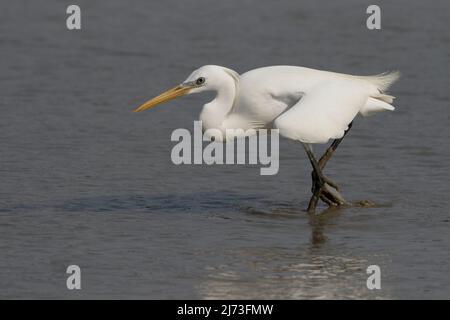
(206, 78)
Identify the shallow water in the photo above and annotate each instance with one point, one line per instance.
(85, 181)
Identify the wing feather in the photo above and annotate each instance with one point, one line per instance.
(324, 112)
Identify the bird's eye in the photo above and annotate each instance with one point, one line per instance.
(200, 81)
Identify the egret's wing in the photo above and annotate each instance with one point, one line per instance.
(324, 112)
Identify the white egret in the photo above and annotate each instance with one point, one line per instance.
(311, 106)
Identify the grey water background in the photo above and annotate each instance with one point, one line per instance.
(85, 181)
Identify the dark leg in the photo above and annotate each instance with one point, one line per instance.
(320, 188)
(316, 184)
(327, 155)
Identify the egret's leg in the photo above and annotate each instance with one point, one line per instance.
(325, 179)
(320, 187)
(317, 180)
(314, 163)
(329, 152)
(330, 196)
(327, 155)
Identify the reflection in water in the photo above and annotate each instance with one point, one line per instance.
(303, 276)
(318, 223)
(305, 272)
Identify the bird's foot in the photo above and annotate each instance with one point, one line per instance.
(326, 190)
(331, 196)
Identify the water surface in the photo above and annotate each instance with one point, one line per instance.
(85, 181)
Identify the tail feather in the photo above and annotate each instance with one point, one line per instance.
(375, 105)
(382, 81)
(383, 97)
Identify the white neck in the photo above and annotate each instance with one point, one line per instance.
(215, 112)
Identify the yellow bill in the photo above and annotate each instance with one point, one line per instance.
(171, 94)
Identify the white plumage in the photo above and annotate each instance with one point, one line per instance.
(308, 105)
